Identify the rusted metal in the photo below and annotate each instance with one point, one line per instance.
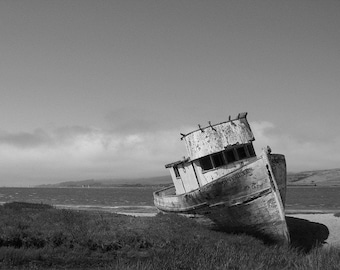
(247, 195)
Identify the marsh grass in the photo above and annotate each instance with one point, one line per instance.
(41, 237)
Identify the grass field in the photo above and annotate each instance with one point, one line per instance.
(38, 236)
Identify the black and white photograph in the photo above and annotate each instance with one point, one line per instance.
(169, 134)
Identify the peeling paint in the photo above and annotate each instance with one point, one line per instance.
(245, 195)
(216, 138)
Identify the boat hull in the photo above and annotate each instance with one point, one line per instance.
(247, 200)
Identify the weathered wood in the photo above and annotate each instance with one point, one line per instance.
(246, 197)
(216, 138)
(279, 168)
(246, 200)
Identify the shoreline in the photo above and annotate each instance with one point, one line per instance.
(311, 211)
(318, 218)
(297, 219)
(150, 209)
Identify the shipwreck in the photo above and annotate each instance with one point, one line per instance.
(224, 182)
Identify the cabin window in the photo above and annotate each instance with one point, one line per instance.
(218, 160)
(176, 172)
(206, 163)
(230, 156)
(251, 150)
(241, 152)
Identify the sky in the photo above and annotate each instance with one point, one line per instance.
(102, 89)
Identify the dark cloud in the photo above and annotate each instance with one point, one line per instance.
(26, 139)
(73, 130)
(70, 132)
(133, 120)
(39, 137)
(80, 152)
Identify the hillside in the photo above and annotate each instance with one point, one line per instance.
(133, 182)
(316, 178)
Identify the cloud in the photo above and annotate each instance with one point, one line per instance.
(76, 152)
(80, 152)
(25, 139)
(302, 153)
(129, 120)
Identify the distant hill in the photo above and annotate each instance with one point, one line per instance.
(316, 178)
(133, 182)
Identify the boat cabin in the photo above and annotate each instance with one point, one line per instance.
(213, 151)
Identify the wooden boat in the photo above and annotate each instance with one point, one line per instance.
(224, 182)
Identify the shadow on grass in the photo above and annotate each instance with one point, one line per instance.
(305, 235)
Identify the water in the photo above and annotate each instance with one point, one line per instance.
(313, 198)
(140, 199)
(116, 199)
